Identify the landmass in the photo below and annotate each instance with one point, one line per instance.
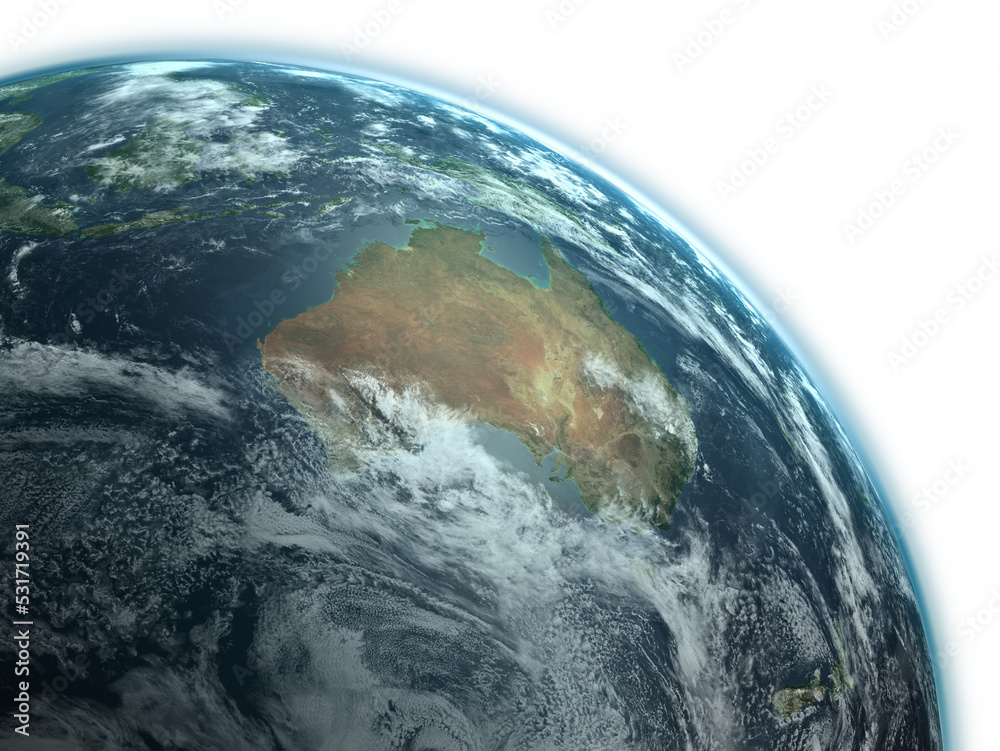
(160, 154)
(22, 90)
(256, 100)
(495, 190)
(14, 126)
(21, 212)
(329, 206)
(841, 680)
(146, 221)
(789, 700)
(156, 219)
(437, 333)
(24, 214)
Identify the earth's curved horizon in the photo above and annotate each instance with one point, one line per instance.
(344, 417)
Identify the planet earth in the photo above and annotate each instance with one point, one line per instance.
(341, 416)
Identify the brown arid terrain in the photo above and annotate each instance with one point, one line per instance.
(435, 334)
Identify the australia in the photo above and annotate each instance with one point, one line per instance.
(437, 334)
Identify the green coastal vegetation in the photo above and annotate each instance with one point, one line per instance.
(161, 153)
(21, 91)
(14, 126)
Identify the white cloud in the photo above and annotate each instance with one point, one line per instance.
(39, 370)
(163, 67)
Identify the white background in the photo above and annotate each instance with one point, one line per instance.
(605, 75)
